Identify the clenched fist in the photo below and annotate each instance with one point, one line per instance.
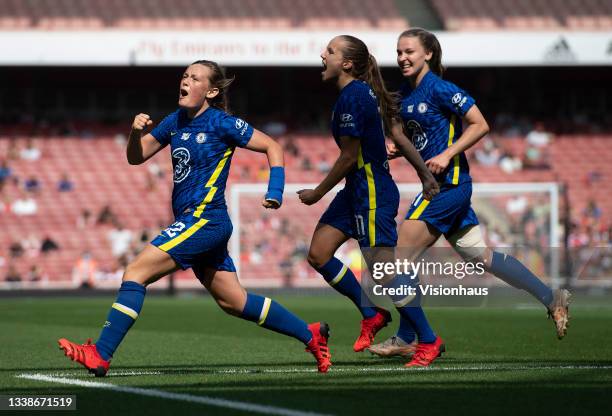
(141, 121)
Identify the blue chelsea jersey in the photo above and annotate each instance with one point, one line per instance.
(356, 114)
(432, 114)
(202, 150)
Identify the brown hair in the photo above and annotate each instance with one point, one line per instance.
(430, 44)
(366, 69)
(218, 80)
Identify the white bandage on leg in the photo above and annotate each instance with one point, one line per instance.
(468, 242)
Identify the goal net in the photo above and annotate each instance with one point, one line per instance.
(270, 247)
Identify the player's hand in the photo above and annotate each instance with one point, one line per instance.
(392, 151)
(431, 187)
(270, 204)
(141, 121)
(438, 164)
(309, 196)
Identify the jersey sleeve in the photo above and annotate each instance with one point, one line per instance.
(452, 98)
(349, 117)
(162, 131)
(235, 131)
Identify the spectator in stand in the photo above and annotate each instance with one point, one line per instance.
(48, 245)
(16, 250)
(306, 164)
(509, 163)
(156, 170)
(106, 216)
(120, 240)
(290, 147)
(537, 154)
(85, 219)
(31, 246)
(32, 184)
(591, 214)
(5, 171)
(120, 140)
(323, 166)
(65, 184)
(488, 154)
(35, 274)
(12, 275)
(84, 271)
(24, 205)
(30, 152)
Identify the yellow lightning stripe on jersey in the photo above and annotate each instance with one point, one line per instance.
(211, 183)
(371, 197)
(451, 136)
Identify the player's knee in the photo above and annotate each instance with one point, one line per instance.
(316, 259)
(470, 245)
(135, 273)
(231, 308)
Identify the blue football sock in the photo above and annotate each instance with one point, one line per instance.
(412, 315)
(512, 271)
(273, 316)
(341, 278)
(406, 331)
(121, 317)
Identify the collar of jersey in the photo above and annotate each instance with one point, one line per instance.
(190, 120)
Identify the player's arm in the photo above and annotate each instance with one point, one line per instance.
(141, 148)
(262, 143)
(349, 151)
(476, 128)
(404, 147)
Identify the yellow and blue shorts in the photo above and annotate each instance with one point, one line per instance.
(370, 227)
(198, 241)
(449, 211)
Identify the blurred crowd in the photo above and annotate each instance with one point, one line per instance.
(524, 226)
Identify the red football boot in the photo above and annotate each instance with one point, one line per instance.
(369, 328)
(318, 345)
(425, 354)
(87, 355)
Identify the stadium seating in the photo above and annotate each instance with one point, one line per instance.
(199, 14)
(524, 14)
(305, 14)
(101, 176)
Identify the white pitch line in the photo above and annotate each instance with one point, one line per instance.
(178, 370)
(211, 401)
(391, 369)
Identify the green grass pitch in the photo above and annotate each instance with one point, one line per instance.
(498, 360)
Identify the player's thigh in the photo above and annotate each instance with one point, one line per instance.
(326, 240)
(149, 266)
(224, 287)
(414, 237)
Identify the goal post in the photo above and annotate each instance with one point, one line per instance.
(507, 210)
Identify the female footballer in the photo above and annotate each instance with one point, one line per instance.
(432, 113)
(202, 138)
(366, 208)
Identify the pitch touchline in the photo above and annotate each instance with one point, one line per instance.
(211, 401)
(332, 370)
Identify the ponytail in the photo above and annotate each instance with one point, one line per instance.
(218, 80)
(387, 101)
(430, 44)
(366, 69)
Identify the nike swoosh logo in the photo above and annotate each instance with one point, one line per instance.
(172, 133)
